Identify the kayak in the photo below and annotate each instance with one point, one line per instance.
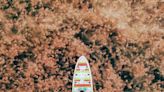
(82, 78)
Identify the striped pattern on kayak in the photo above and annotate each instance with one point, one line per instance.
(82, 78)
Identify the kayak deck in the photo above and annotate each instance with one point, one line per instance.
(82, 78)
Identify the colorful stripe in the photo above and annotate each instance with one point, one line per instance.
(82, 85)
(87, 80)
(82, 64)
(82, 72)
(78, 69)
